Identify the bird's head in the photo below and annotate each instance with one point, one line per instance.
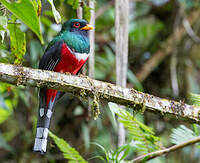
(76, 25)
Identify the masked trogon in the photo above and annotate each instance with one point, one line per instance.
(67, 52)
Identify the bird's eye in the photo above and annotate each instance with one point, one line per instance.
(76, 25)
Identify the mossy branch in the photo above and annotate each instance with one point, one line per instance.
(86, 87)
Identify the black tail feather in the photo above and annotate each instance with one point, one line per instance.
(43, 123)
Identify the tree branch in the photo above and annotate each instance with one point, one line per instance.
(86, 87)
(155, 154)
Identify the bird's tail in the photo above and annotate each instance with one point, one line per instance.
(42, 130)
(43, 123)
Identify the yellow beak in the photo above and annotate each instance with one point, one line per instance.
(87, 27)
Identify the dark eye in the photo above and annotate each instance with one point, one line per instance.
(76, 25)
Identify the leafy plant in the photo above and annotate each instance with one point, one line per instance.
(26, 12)
(181, 134)
(115, 156)
(194, 99)
(143, 137)
(69, 153)
(18, 42)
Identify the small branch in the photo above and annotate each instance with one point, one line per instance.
(155, 154)
(86, 87)
(190, 31)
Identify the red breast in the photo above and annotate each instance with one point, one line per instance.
(68, 61)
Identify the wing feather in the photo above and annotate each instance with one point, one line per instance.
(51, 56)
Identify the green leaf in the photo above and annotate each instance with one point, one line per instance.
(113, 109)
(73, 3)
(4, 144)
(4, 114)
(86, 11)
(3, 26)
(86, 135)
(55, 12)
(6, 108)
(181, 134)
(69, 153)
(18, 42)
(196, 129)
(194, 99)
(139, 132)
(103, 149)
(26, 12)
(3, 22)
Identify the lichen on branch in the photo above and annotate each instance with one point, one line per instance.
(19, 75)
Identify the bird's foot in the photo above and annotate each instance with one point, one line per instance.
(67, 73)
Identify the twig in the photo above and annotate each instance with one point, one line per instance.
(190, 31)
(14, 23)
(86, 87)
(155, 154)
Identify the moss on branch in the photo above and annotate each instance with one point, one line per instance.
(84, 86)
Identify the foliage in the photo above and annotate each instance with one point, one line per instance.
(115, 156)
(28, 15)
(194, 99)
(73, 3)
(8, 101)
(86, 11)
(143, 137)
(55, 12)
(181, 134)
(86, 8)
(69, 153)
(17, 42)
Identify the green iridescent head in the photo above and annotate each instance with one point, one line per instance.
(76, 25)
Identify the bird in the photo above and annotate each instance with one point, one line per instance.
(66, 53)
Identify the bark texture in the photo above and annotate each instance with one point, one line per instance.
(86, 87)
